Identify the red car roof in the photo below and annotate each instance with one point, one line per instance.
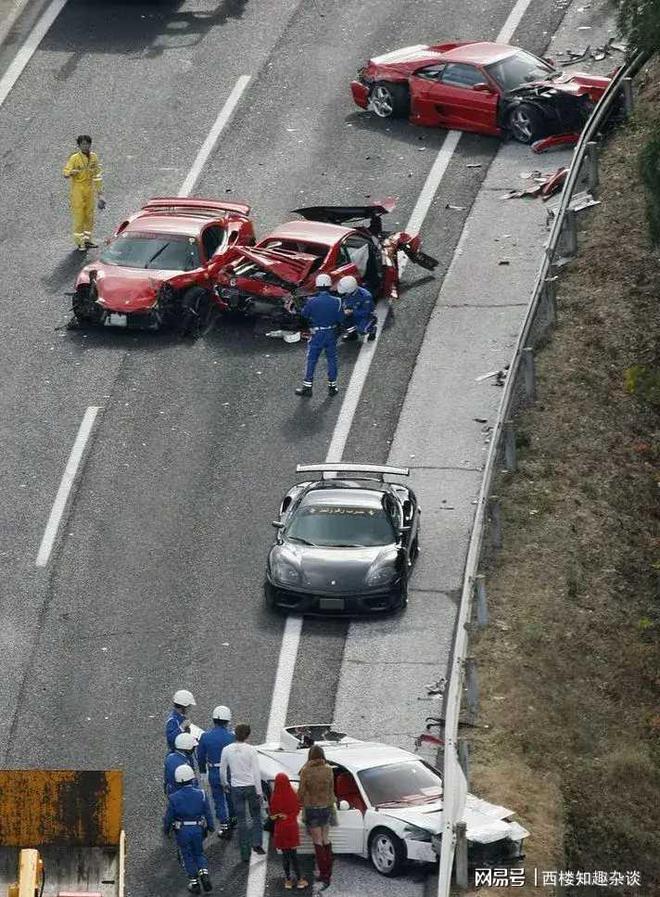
(310, 231)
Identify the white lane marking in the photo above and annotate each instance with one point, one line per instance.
(66, 483)
(26, 52)
(11, 19)
(212, 138)
(512, 21)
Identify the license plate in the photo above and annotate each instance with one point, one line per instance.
(114, 320)
(331, 603)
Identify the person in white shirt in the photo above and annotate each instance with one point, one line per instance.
(240, 776)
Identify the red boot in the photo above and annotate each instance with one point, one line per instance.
(327, 848)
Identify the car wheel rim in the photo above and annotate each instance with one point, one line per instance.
(381, 102)
(521, 124)
(383, 855)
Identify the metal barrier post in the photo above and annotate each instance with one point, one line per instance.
(550, 299)
(472, 687)
(509, 435)
(464, 759)
(482, 602)
(529, 373)
(568, 242)
(460, 855)
(628, 97)
(592, 165)
(495, 521)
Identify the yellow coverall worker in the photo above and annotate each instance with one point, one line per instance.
(84, 174)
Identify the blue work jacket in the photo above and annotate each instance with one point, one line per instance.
(173, 761)
(188, 804)
(323, 310)
(209, 750)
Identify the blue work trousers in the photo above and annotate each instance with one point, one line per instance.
(322, 341)
(224, 807)
(190, 841)
(364, 324)
(245, 798)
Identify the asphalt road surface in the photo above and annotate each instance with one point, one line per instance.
(156, 579)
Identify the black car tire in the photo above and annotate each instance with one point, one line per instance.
(389, 100)
(526, 124)
(387, 852)
(197, 314)
(85, 308)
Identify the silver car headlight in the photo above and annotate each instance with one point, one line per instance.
(382, 575)
(285, 572)
(414, 833)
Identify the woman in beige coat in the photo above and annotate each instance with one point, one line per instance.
(317, 798)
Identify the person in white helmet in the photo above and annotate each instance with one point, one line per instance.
(183, 754)
(189, 814)
(178, 721)
(358, 305)
(209, 753)
(324, 315)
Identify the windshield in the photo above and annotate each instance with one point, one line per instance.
(164, 252)
(401, 784)
(335, 526)
(519, 69)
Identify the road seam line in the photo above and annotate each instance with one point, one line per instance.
(66, 484)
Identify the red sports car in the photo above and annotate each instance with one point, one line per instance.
(275, 276)
(477, 86)
(158, 267)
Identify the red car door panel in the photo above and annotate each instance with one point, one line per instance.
(451, 101)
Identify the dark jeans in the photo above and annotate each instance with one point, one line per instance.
(244, 798)
(290, 862)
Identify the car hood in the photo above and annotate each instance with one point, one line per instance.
(485, 822)
(292, 268)
(575, 83)
(126, 290)
(331, 570)
(407, 59)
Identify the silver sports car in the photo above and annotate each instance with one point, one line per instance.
(345, 543)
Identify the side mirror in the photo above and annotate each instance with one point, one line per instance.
(482, 87)
(344, 805)
(277, 524)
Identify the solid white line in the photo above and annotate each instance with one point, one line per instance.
(11, 19)
(26, 52)
(68, 479)
(207, 147)
(512, 21)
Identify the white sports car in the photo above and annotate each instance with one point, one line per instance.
(389, 801)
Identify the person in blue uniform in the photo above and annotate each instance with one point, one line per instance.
(178, 721)
(209, 752)
(358, 305)
(324, 315)
(183, 754)
(189, 814)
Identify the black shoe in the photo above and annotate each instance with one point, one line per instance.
(233, 821)
(372, 336)
(205, 880)
(332, 389)
(193, 886)
(349, 337)
(90, 244)
(224, 831)
(304, 391)
(259, 850)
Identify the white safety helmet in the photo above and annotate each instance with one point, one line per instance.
(347, 285)
(323, 280)
(184, 741)
(184, 773)
(184, 698)
(221, 712)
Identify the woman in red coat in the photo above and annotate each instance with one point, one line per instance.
(284, 809)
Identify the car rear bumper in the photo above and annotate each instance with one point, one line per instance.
(360, 93)
(301, 602)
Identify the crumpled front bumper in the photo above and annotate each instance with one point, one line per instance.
(360, 93)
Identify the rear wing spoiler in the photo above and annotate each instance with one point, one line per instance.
(207, 208)
(344, 214)
(60, 807)
(379, 471)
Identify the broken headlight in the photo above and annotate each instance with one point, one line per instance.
(414, 833)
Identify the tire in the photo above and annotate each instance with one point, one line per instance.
(85, 308)
(197, 314)
(387, 852)
(526, 124)
(389, 100)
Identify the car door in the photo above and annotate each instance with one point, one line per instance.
(463, 98)
(348, 836)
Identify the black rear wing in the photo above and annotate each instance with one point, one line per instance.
(376, 471)
(343, 214)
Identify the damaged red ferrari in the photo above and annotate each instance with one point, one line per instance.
(157, 269)
(274, 277)
(478, 86)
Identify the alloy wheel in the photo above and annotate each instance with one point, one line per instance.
(381, 102)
